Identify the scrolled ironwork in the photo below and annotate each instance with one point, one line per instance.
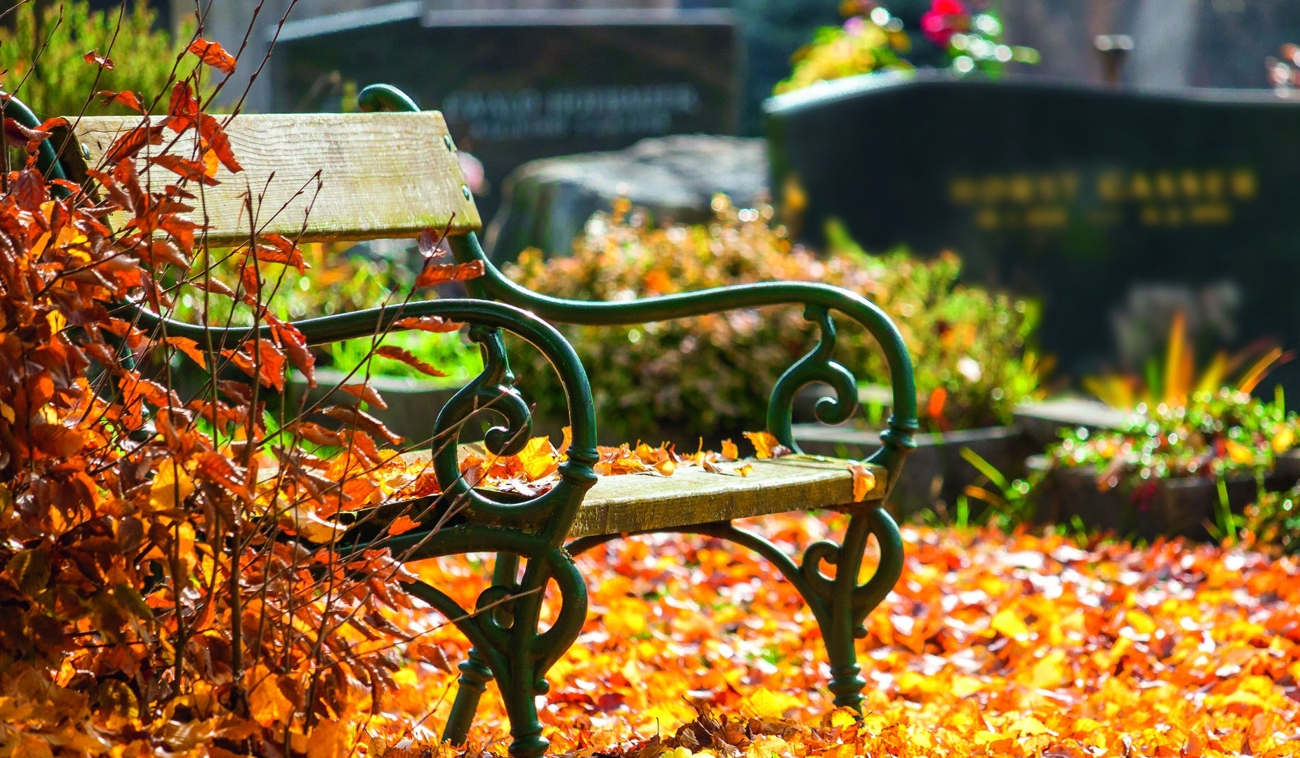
(554, 508)
(840, 603)
(818, 299)
(817, 365)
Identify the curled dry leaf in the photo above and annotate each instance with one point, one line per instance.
(125, 97)
(427, 324)
(294, 343)
(128, 145)
(262, 360)
(435, 274)
(190, 348)
(766, 445)
(402, 524)
(183, 108)
(863, 481)
(194, 171)
(398, 354)
(277, 248)
(358, 419)
(95, 59)
(214, 55)
(367, 394)
(213, 136)
(429, 241)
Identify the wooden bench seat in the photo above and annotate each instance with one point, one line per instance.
(642, 502)
(633, 503)
(395, 175)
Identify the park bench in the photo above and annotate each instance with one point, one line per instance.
(392, 172)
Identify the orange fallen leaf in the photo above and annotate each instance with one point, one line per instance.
(402, 524)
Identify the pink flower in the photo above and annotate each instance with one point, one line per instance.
(944, 19)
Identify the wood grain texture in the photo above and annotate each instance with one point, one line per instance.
(361, 175)
(635, 502)
(642, 502)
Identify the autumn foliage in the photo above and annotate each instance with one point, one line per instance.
(168, 581)
(990, 645)
(171, 581)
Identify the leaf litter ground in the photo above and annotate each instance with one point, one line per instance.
(991, 644)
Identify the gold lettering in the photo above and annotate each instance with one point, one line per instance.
(1214, 184)
(1210, 213)
(986, 218)
(1243, 184)
(1110, 186)
(1191, 184)
(1022, 188)
(1139, 187)
(1150, 215)
(1173, 216)
(1166, 186)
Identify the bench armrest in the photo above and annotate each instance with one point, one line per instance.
(817, 366)
(491, 391)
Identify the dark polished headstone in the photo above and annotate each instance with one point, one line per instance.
(1107, 204)
(517, 85)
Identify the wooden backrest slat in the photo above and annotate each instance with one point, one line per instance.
(325, 176)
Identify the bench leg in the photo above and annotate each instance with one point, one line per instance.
(838, 621)
(474, 676)
(840, 604)
(507, 644)
(474, 672)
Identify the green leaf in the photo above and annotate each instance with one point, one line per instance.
(985, 468)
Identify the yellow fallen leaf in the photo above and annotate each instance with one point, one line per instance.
(863, 481)
(538, 458)
(1050, 672)
(1009, 624)
(729, 451)
(764, 443)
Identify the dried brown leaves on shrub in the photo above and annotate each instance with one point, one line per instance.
(166, 577)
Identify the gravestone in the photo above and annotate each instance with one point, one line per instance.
(548, 202)
(1106, 204)
(521, 84)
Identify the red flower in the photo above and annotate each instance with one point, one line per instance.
(944, 19)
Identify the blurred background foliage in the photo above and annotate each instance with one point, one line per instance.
(58, 34)
(712, 375)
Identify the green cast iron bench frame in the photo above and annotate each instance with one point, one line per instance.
(391, 172)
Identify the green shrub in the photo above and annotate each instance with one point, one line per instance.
(1275, 520)
(715, 372)
(57, 36)
(1214, 435)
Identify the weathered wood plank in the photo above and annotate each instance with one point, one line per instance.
(643, 502)
(329, 176)
(635, 502)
